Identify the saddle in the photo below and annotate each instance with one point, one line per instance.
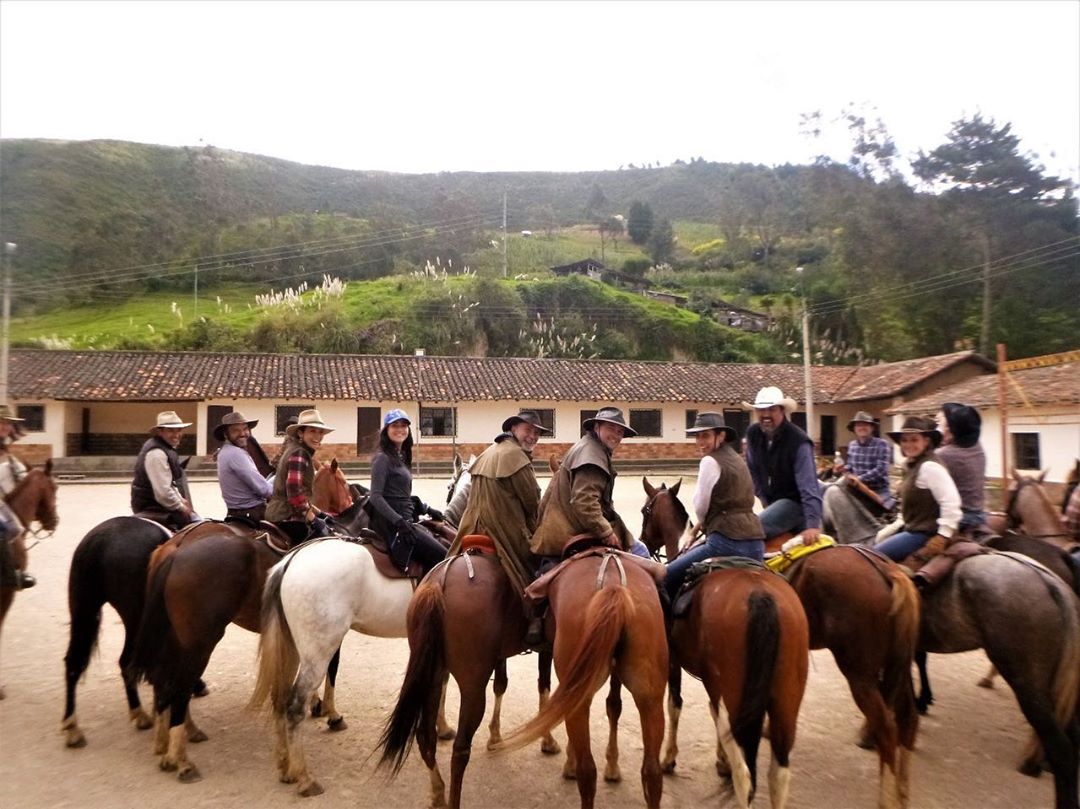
(379, 549)
(933, 569)
(699, 570)
(538, 590)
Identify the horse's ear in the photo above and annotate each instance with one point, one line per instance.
(675, 488)
(554, 463)
(48, 467)
(1043, 473)
(334, 464)
(457, 464)
(1016, 475)
(649, 488)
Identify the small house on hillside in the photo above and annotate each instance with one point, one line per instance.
(739, 318)
(591, 268)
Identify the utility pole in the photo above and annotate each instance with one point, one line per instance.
(984, 335)
(504, 234)
(807, 383)
(10, 249)
(195, 316)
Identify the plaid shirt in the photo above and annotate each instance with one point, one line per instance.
(869, 462)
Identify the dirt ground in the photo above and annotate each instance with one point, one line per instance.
(967, 746)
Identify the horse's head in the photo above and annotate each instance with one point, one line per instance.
(663, 517)
(1029, 507)
(330, 489)
(457, 490)
(34, 498)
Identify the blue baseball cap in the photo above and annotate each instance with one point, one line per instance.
(395, 415)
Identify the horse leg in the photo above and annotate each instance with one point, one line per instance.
(548, 745)
(175, 757)
(577, 734)
(427, 742)
(729, 755)
(651, 710)
(470, 715)
(444, 729)
(326, 706)
(495, 727)
(988, 680)
(136, 714)
(671, 751)
(614, 711)
(881, 730)
(926, 696)
(296, 769)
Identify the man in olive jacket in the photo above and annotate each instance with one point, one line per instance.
(504, 497)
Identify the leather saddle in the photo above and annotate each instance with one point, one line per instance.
(379, 549)
(699, 570)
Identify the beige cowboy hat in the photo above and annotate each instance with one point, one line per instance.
(711, 421)
(612, 415)
(168, 418)
(918, 425)
(308, 418)
(770, 397)
(7, 414)
(862, 417)
(528, 417)
(229, 419)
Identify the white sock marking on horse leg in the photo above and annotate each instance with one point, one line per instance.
(611, 768)
(495, 727)
(161, 734)
(779, 784)
(174, 755)
(740, 773)
(548, 743)
(671, 746)
(888, 791)
(903, 774)
(438, 788)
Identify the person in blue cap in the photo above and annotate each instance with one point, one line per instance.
(393, 508)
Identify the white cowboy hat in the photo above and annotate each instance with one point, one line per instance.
(168, 418)
(308, 418)
(770, 397)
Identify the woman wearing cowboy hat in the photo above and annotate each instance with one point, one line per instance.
(160, 488)
(290, 506)
(392, 506)
(243, 489)
(723, 502)
(929, 501)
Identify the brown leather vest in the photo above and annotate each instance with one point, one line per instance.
(918, 506)
(731, 504)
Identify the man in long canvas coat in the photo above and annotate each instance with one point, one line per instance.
(504, 496)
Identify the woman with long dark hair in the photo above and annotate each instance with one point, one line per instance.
(393, 508)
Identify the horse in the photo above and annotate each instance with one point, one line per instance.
(745, 636)
(607, 621)
(109, 566)
(32, 500)
(863, 609)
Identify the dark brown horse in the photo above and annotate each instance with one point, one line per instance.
(863, 609)
(607, 621)
(746, 638)
(32, 500)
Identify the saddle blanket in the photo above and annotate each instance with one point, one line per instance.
(783, 559)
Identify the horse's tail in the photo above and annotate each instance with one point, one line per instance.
(762, 653)
(905, 614)
(1067, 676)
(608, 613)
(154, 626)
(278, 659)
(418, 700)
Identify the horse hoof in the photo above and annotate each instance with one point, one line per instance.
(667, 767)
(197, 736)
(311, 790)
(494, 742)
(1030, 769)
(142, 721)
(865, 743)
(76, 740)
(336, 724)
(316, 709)
(166, 765)
(190, 775)
(986, 682)
(200, 689)
(613, 777)
(550, 747)
(447, 734)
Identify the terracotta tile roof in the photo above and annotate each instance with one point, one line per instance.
(1054, 385)
(179, 376)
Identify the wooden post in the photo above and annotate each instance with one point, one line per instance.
(1004, 411)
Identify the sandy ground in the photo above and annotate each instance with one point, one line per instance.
(966, 753)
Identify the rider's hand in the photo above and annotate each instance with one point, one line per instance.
(687, 537)
(810, 535)
(435, 514)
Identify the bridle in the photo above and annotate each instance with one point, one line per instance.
(1012, 519)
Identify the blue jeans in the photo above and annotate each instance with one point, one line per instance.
(781, 516)
(639, 548)
(715, 544)
(900, 546)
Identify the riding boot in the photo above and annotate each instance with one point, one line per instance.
(535, 636)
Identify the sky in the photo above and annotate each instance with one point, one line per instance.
(544, 86)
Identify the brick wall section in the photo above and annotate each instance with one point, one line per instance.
(544, 450)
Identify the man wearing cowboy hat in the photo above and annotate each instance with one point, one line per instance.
(723, 502)
(850, 516)
(12, 470)
(504, 497)
(781, 461)
(160, 489)
(290, 505)
(243, 489)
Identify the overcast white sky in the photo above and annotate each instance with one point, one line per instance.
(452, 86)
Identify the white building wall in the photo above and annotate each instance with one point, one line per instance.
(1059, 439)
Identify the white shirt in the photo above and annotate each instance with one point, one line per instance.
(12, 470)
(708, 477)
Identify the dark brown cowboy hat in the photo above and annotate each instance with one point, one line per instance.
(527, 416)
(862, 417)
(234, 417)
(920, 425)
(612, 415)
(711, 421)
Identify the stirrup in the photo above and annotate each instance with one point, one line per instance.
(25, 581)
(535, 636)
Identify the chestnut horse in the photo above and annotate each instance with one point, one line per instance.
(861, 607)
(32, 500)
(746, 638)
(607, 620)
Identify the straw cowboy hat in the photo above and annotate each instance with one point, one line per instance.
(307, 418)
(528, 417)
(233, 417)
(918, 425)
(612, 415)
(862, 417)
(770, 397)
(711, 421)
(7, 414)
(168, 418)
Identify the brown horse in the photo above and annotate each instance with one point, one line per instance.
(32, 500)
(464, 619)
(863, 609)
(605, 618)
(746, 638)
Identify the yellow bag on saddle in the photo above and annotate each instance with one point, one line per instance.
(783, 559)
